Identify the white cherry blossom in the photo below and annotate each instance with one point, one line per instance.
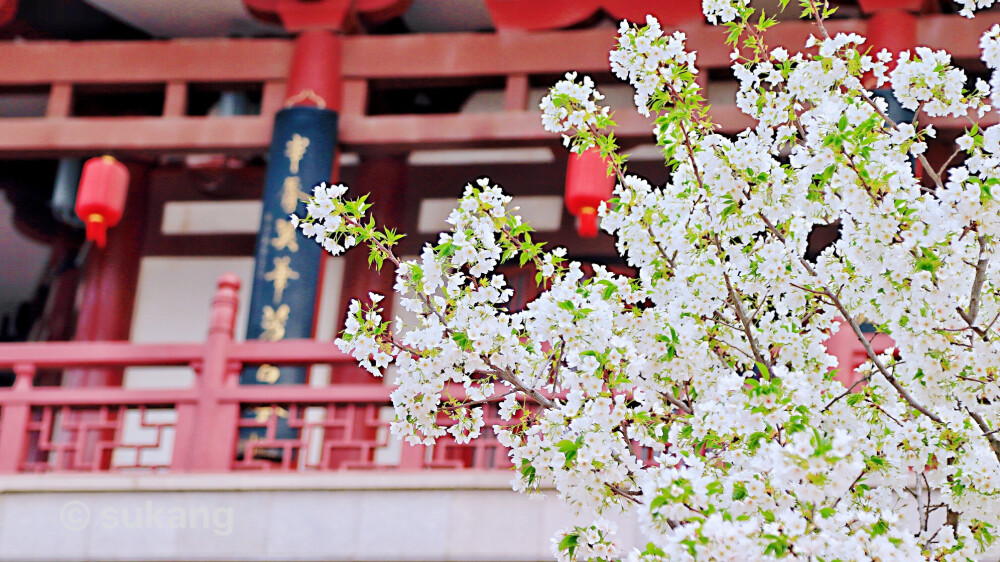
(698, 395)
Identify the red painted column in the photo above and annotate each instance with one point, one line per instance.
(108, 288)
(8, 9)
(315, 68)
(58, 318)
(895, 30)
(384, 178)
(315, 79)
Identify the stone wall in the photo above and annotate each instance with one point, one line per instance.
(334, 516)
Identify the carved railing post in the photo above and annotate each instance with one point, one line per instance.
(213, 433)
(14, 422)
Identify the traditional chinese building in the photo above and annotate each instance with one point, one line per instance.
(174, 394)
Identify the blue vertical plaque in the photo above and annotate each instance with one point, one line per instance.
(287, 267)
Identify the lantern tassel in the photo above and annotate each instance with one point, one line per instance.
(586, 225)
(97, 230)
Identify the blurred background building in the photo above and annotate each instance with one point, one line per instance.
(143, 381)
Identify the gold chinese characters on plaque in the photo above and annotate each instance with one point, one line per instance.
(285, 236)
(273, 322)
(295, 150)
(280, 276)
(291, 194)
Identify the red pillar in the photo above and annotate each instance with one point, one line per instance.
(892, 28)
(108, 287)
(384, 179)
(315, 68)
(315, 79)
(8, 9)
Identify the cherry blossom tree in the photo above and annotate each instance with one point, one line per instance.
(712, 356)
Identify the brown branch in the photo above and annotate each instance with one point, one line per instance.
(530, 392)
(989, 435)
(970, 321)
(944, 166)
(857, 332)
(846, 392)
(629, 495)
(857, 172)
(732, 346)
(760, 306)
(977, 292)
(819, 18)
(853, 484)
(676, 403)
(504, 374)
(659, 248)
(887, 414)
(977, 285)
(925, 165)
(476, 402)
(737, 301)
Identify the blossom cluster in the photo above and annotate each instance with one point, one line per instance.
(573, 105)
(646, 59)
(698, 394)
(926, 80)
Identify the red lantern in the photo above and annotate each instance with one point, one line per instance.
(101, 197)
(587, 185)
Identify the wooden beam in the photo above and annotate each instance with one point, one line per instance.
(175, 99)
(362, 133)
(36, 138)
(429, 57)
(30, 137)
(516, 93)
(959, 35)
(404, 56)
(103, 354)
(145, 62)
(60, 100)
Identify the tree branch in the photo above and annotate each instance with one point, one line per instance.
(737, 300)
(925, 165)
(977, 284)
(989, 435)
(857, 332)
(676, 403)
(846, 392)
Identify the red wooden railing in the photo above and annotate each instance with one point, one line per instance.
(195, 429)
(343, 426)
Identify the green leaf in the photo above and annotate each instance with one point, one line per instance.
(462, 340)
(764, 371)
(569, 542)
(714, 488)
(528, 472)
